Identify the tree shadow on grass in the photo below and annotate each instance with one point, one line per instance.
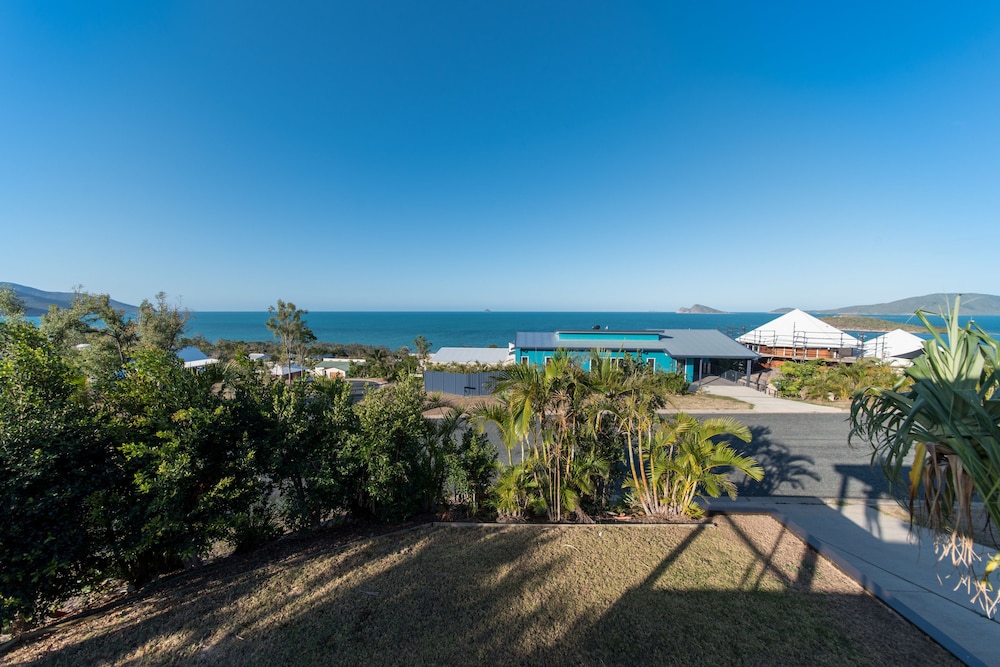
(488, 595)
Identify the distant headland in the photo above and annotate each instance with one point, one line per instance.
(37, 301)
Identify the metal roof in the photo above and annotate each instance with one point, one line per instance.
(677, 343)
(471, 355)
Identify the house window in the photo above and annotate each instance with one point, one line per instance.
(548, 360)
(524, 360)
(651, 362)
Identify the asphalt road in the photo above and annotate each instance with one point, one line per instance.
(808, 455)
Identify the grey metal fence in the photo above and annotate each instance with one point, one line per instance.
(461, 384)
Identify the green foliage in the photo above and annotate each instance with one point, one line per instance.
(572, 428)
(189, 456)
(675, 383)
(309, 427)
(471, 461)
(820, 380)
(161, 326)
(11, 305)
(945, 413)
(423, 347)
(291, 331)
(141, 466)
(386, 451)
(381, 362)
(53, 463)
(687, 459)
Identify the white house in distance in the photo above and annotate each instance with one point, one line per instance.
(799, 336)
(330, 367)
(897, 347)
(289, 372)
(195, 358)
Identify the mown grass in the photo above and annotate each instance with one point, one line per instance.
(741, 592)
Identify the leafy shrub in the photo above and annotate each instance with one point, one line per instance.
(53, 464)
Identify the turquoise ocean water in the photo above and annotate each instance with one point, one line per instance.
(480, 329)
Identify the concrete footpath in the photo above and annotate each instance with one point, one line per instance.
(879, 552)
(761, 402)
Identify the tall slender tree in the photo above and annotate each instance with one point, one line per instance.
(291, 331)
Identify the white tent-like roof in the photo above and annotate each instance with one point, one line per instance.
(897, 347)
(798, 328)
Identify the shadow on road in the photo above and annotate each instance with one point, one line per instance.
(783, 470)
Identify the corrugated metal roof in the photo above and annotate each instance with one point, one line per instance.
(678, 343)
(471, 355)
(191, 353)
(704, 344)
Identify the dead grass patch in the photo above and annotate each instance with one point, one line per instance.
(744, 591)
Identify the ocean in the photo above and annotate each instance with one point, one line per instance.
(482, 328)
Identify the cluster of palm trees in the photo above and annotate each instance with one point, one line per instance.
(581, 440)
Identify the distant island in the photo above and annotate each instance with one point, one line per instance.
(37, 301)
(701, 310)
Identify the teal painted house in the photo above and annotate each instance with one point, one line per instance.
(690, 352)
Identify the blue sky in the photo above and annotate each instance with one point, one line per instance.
(506, 155)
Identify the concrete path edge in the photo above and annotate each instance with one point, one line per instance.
(833, 555)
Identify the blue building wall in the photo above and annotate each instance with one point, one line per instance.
(662, 361)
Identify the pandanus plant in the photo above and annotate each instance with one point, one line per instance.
(945, 411)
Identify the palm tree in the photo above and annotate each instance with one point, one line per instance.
(688, 460)
(946, 412)
(543, 408)
(501, 416)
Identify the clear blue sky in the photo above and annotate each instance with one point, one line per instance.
(506, 155)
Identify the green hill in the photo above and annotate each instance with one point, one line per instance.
(37, 301)
(972, 304)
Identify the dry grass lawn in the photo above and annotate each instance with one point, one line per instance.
(744, 591)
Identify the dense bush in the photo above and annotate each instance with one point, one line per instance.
(820, 380)
(122, 462)
(54, 464)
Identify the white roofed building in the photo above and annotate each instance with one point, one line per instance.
(487, 356)
(797, 335)
(195, 358)
(897, 347)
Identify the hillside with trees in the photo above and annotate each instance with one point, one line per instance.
(37, 302)
(972, 304)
